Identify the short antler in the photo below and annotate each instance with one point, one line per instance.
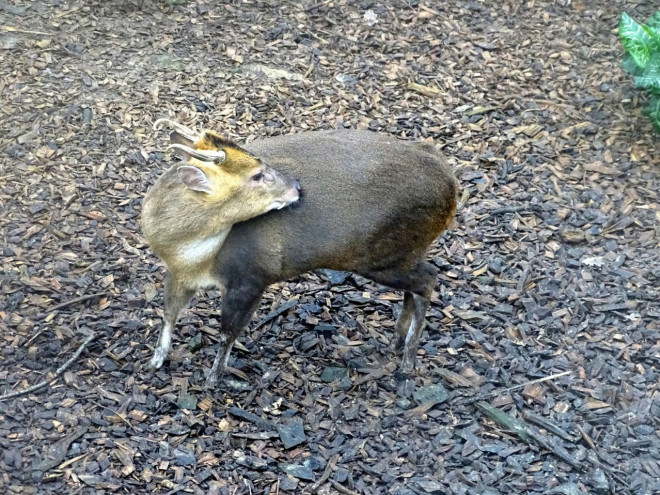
(202, 155)
(185, 131)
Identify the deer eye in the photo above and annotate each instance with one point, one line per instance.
(258, 177)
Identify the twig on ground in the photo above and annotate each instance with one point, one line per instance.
(58, 372)
(471, 400)
(75, 300)
(116, 413)
(326, 474)
(34, 337)
(514, 209)
(526, 433)
(586, 438)
(264, 424)
(12, 29)
(544, 423)
(342, 489)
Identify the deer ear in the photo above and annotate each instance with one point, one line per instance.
(195, 179)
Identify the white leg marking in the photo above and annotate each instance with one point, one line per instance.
(224, 366)
(412, 337)
(212, 377)
(411, 330)
(164, 344)
(419, 302)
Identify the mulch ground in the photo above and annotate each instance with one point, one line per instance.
(552, 268)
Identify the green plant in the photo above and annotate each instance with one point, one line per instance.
(642, 60)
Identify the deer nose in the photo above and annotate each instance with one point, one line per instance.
(296, 184)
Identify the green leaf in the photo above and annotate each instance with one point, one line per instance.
(654, 21)
(654, 34)
(650, 77)
(630, 66)
(653, 111)
(635, 40)
(655, 119)
(653, 106)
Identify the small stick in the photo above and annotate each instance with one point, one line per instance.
(74, 301)
(122, 418)
(586, 438)
(12, 29)
(514, 209)
(516, 387)
(32, 339)
(544, 423)
(58, 372)
(264, 424)
(342, 489)
(326, 474)
(527, 434)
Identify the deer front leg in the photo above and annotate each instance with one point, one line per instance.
(177, 297)
(237, 308)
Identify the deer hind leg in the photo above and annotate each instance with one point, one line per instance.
(418, 285)
(417, 324)
(403, 322)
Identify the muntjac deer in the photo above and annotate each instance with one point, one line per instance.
(241, 219)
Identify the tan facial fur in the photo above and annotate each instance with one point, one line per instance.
(192, 204)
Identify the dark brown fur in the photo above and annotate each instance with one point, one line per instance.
(369, 201)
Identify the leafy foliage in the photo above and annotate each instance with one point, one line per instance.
(653, 111)
(635, 40)
(642, 44)
(654, 21)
